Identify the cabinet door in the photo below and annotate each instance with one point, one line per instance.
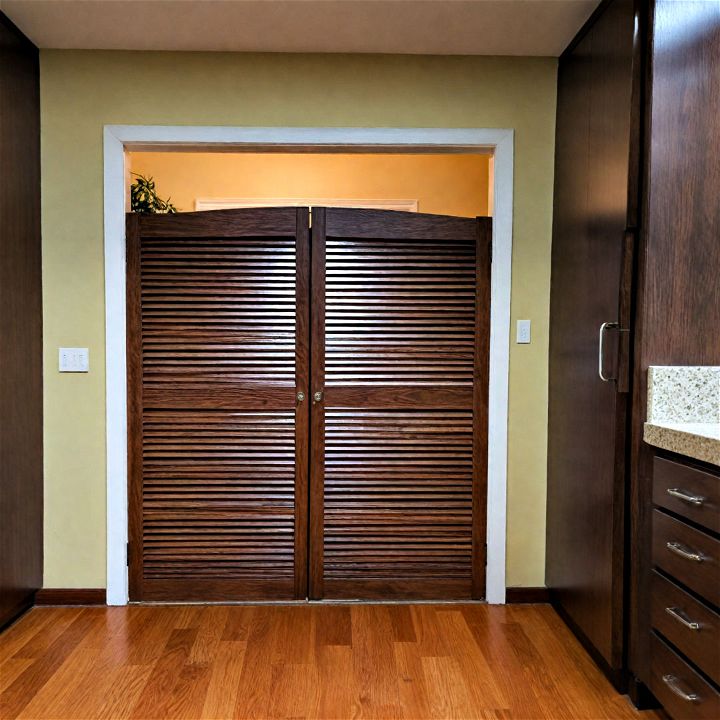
(399, 416)
(218, 323)
(595, 200)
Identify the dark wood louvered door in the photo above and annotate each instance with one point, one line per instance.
(400, 347)
(218, 344)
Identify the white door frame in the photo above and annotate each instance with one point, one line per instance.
(119, 138)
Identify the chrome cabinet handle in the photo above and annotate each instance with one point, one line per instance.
(684, 552)
(678, 615)
(686, 496)
(672, 682)
(605, 326)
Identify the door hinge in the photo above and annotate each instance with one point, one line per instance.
(127, 554)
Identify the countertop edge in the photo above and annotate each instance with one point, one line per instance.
(684, 442)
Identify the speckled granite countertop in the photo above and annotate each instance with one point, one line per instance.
(684, 411)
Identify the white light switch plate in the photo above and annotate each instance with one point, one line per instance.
(523, 332)
(73, 360)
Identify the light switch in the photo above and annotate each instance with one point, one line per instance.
(523, 332)
(74, 360)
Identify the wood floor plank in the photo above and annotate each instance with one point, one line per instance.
(336, 694)
(253, 697)
(21, 634)
(482, 684)
(10, 669)
(412, 686)
(449, 696)
(28, 684)
(43, 635)
(158, 692)
(222, 691)
(327, 662)
(374, 662)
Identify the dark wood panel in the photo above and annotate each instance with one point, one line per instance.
(690, 556)
(681, 303)
(527, 595)
(595, 175)
(671, 676)
(70, 596)
(260, 222)
(218, 349)
(21, 431)
(679, 312)
(389, 224)
(401, 322)
(692, 627)
(687, 491)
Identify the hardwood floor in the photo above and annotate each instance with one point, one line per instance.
(301, 661)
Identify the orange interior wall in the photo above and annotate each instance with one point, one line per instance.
(450, 184)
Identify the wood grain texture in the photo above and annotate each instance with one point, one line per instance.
(691, 480)
(596, 187)
(413, 662)
(679, 311)
(703, 576)
(400, 356)
(525, 595)
(70, 596)
(218, 347)
(702, 645)
(666, 662)
(21, 414)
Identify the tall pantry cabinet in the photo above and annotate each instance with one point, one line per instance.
(636, 261)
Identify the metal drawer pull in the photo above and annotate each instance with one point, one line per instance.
(686, 496)
(684, 552)
(680, 616)
(672, 682)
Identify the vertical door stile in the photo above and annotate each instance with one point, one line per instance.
(134, 406)
(317, 412)
(302, 407)
(481, 392)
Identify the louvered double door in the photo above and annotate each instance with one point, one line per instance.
(307, 408)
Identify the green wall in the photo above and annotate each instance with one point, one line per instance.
(83, 90)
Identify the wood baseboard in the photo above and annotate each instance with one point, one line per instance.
(70, 596)
(526, 595)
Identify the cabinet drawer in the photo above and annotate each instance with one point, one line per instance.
(687, 491)
(681, 691)
(693, 628)
(687, 554)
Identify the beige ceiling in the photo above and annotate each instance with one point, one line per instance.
(444, 27)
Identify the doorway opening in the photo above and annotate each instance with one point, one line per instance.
(498, 143)
(439, 183)
(228, 414)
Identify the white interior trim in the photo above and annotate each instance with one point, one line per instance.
(362, 203)
(119, 138)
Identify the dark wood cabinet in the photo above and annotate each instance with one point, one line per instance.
(648, 262)
(21, 464)
(594, 227)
